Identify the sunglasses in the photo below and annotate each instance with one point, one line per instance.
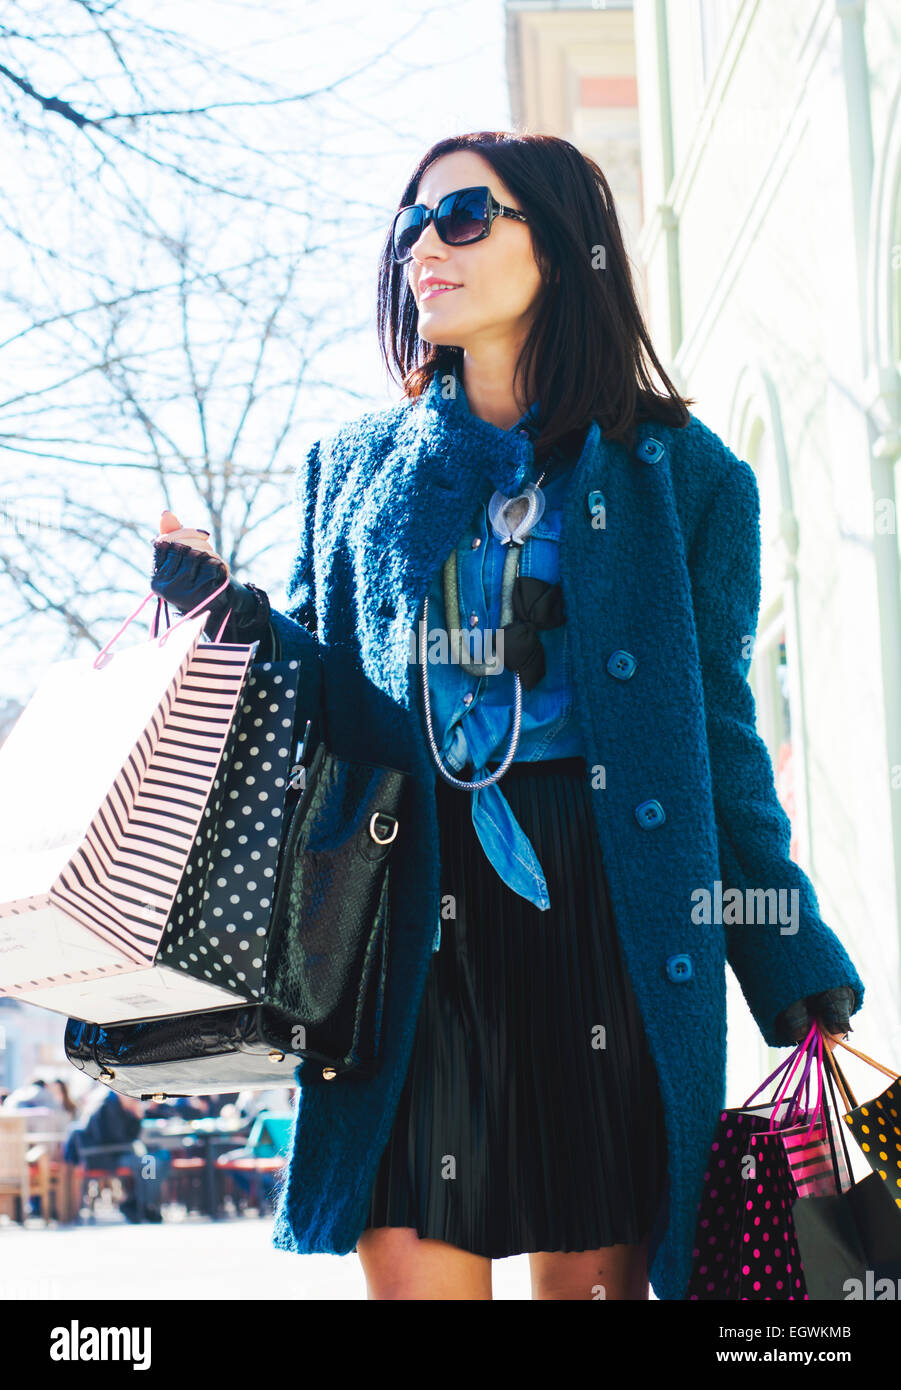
(460, 218)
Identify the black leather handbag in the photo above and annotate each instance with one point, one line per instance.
(321, 998)
(203, 1054)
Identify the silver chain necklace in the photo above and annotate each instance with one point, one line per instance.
(511, 569)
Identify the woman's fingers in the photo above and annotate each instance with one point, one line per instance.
(188, 535)
(193, 537)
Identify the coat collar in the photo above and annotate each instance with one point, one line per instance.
(442, 462)
(446, 425)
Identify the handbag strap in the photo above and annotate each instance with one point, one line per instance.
(896, 1076)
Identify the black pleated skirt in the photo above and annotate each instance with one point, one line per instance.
(530, 1117)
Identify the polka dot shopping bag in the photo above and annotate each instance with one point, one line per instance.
(745, 1243)
(876, 1125)
(219, 926)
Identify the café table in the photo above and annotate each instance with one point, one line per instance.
(207, 1132)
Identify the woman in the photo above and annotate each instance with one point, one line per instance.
(555, 1041)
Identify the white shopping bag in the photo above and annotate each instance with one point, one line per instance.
(103, 783)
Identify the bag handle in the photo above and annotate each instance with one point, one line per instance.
(833, 1072)
(792, 1056)
(812, 1049)
(820, 1107)
(896, 1076)
(800, 1052)
(841, 1081)
(101, 658)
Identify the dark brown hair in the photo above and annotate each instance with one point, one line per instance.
(588, 343)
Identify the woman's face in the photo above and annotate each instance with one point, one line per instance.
(497, 279)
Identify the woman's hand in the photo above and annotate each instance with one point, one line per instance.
(172, 530)
(832, 1010)
(187, 572)
(186, 568)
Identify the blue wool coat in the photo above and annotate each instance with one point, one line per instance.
(661, 600)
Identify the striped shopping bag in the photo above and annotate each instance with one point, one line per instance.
(103, 783)
(815, 1155)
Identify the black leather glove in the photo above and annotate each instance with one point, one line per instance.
(185, 577)
(832, 1008)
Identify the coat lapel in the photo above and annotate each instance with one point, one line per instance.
(442, 462)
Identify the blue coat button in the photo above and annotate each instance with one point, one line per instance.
(650, 450)
(622, 665)
(597, 507)
(679, 969)
(650, 814)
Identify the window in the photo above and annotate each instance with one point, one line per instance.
(715, 19)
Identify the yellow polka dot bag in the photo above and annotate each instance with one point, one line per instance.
(876, 1125)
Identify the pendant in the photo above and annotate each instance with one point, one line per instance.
(512, 518)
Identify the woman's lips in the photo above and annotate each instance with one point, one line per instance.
(432, 292)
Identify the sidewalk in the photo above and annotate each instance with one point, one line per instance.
(186, 1260)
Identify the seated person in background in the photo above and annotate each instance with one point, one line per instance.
(105, 1138)
(45, 1091)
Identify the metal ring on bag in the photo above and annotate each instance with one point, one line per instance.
(372, 820)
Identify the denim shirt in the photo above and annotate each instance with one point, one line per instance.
(478, 731)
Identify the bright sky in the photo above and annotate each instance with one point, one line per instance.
(440, 71)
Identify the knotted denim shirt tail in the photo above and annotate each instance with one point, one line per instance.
(478, 730)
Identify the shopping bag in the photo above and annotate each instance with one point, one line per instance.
(103, 783)
(815, 1157)
(850, 1243)
(747, 1195)
(220, 920)
(769, 1263)
(744, 1243)
(876, 1125)
(314, 962)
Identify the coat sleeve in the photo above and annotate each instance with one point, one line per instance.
(777, 962)
(300, 610)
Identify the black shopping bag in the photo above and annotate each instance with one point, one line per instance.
(852, 1241)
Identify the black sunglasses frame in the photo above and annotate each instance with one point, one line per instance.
(494, 209)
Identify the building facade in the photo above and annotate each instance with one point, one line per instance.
(755, 151)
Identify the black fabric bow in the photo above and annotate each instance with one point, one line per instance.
(537, 605)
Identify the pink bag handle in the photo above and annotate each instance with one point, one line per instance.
(820, 1108)
(814, 1049)
(787, 1062)
(101, 657)
(795, 1104)
(801, 1052)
